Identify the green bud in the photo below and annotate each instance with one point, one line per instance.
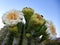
(13, 29)
(36, 22)
(28, 11)
(36, 19)
(28, 35)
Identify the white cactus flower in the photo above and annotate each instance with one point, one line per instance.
(50, 30)
(13, 17)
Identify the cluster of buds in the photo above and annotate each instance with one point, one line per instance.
(33, 25)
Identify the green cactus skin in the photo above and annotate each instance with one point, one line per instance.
(41, 31)
(10, 39)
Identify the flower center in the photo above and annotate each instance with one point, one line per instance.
(52, 29)
(12, 16)
(39, 17)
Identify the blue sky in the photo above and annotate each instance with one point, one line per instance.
(50, 9)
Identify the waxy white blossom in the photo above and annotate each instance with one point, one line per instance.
(50, 30)
(12, 17)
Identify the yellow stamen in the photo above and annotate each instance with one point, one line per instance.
(39, 17)
(12, 16)
(52, 29)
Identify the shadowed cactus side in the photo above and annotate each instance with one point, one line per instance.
(3, 33)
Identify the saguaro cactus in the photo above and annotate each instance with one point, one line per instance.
(23, 28)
